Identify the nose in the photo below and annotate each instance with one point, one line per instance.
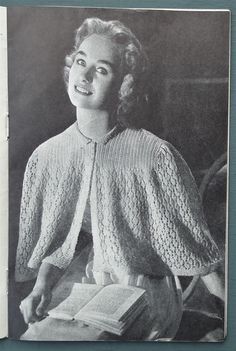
(87, 75)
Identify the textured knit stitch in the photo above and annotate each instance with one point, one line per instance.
(145, 208)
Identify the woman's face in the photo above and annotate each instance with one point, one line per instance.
(94, 78)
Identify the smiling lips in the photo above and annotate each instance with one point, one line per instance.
(82, 91)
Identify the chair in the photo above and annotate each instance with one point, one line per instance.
(196, 310)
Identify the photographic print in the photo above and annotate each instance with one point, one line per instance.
(118, 173)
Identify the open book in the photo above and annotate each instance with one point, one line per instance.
(177, 82)
(112, 308)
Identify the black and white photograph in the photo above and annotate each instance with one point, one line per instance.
(118, 170)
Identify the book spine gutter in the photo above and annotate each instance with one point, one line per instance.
(3, 175)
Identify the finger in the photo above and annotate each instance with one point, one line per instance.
(27, 315)
(30, 315)
(24, 312)
(28, 309)
(45, 300)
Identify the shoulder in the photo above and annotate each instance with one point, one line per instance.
(141, 134)
(143, 147)
(165, 155)
(56, 145)
(58, 141)
(141, 138)
(144, 139)
(54, 151)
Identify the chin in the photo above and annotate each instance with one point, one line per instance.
(77, 102)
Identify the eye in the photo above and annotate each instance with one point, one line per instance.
(80, 62)
(102, 70)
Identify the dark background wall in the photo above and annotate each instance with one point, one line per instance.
(189, 54)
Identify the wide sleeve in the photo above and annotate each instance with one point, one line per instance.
(30, 219)
(184, 241)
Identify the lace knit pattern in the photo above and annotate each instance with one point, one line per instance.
(145, 207)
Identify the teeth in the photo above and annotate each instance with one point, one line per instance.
(82, 90)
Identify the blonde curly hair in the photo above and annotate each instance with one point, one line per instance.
(133, 60)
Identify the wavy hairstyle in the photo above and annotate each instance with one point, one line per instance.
(134, 63)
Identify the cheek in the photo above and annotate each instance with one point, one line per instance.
(103, 88)
(109, 94)
(71, 74)
(69, 81)
(70, 86)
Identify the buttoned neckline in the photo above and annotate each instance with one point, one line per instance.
(102, 140)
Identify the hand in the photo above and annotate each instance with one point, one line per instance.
(34, 305)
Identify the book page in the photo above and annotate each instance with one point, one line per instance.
(115, 327)
(80, 295)
(3, 173)
(112, 303)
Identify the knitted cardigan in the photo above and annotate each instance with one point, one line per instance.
(145, 208)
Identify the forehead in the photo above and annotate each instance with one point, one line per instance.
(99, 47)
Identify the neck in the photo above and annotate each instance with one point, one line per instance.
(94, 123)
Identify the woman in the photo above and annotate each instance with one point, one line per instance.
(131, 190)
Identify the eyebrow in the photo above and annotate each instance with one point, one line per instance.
(82, 53)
